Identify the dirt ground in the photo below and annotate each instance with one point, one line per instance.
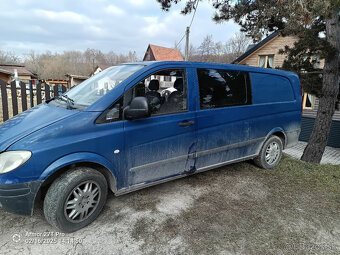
(238, 209)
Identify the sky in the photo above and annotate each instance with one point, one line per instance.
(107, 25)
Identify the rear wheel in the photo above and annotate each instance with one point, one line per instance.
(270, 154)
(75, 199)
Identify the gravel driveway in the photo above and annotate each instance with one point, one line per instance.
(238, 209)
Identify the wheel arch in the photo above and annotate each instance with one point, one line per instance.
(280, 133)
(62, 165)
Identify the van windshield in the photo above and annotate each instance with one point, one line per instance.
(92, 89)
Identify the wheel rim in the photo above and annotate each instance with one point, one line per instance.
(272, 153)
(82, 201)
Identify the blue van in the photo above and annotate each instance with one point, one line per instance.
(139, 124)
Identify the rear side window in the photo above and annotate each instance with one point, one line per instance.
(223, 88)
(270, 88)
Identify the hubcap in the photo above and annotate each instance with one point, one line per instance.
(82, 201)
(272, 153)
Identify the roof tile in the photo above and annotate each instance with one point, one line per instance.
(166, 54)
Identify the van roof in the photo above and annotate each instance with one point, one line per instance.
(215, 65)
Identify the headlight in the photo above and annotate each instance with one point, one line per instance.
(11, 160)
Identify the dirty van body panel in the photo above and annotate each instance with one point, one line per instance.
(223, 135)
(30, 121)
(158, 147)
(83, 136)
(276, 107)
(19, 198)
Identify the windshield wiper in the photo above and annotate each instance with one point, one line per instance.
(69, 101)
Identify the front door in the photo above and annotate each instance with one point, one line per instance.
(162, 145)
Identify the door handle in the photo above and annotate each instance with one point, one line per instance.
(186, 123)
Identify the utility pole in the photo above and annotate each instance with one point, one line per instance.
(187, 44)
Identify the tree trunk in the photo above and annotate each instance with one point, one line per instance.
(330, 89)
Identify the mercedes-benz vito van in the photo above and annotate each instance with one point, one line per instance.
(139, 124)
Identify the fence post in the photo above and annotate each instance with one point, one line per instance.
(23, 96)
(4, 100)
(55, 90)
(47, 92)
(14, 97)
(31, 93)
(63, 89)
(38, 91)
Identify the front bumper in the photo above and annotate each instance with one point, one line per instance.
(19, 198)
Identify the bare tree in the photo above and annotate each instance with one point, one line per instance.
(220, 52)
(238, 44)
(8, 58)
(55, 66)
(207, 48)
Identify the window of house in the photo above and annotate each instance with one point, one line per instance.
(266, 61)
(222, 88)
(314, 60)
(308, 101)
(162, 100)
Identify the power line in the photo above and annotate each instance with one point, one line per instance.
(180, 41)
(192, 19)
(193, 16)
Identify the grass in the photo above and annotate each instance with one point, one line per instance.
(292, 209)
(314, 177)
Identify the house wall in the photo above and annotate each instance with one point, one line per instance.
(5, 77)
(25, 78)
(148, 55)
(271, 48)
(311, 113)
(307, 124)
(98, 70)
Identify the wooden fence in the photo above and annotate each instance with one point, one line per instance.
(23, 97)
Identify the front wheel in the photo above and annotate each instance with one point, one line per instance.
(75, 199)
(270, 154)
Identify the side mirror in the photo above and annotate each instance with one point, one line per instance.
(138, 109)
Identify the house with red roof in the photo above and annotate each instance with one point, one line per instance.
(158, 53)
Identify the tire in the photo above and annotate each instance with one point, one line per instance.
(84, 190)
(270, 154)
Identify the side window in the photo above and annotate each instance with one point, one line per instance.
(222, 88)
(165, 91)
(114, 113)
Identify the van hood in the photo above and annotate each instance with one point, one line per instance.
(29, 122)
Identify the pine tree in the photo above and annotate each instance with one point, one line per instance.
(315, 24)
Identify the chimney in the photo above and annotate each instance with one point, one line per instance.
(15, 74)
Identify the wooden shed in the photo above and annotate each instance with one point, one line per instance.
(23, 74)
(73, 79)
(6, 75)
